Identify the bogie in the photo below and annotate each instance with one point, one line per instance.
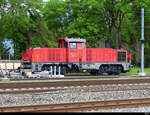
(94, 72)
(110, 69)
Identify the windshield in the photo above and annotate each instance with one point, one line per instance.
(73, 45)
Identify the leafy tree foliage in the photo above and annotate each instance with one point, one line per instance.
(23, 23)
(33, 23)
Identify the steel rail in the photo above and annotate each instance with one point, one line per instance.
(72, 77)
(31, 87)
(76, 77)
(81, 106)
(68, 83)
(34, 90)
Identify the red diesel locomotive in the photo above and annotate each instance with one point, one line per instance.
(73, 56)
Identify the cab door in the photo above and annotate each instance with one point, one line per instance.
(76, 52)
(72, 52)
(81, 52)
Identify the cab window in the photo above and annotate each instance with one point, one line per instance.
(73, 45)
(60, 44)
(66, 45)
(82, 45)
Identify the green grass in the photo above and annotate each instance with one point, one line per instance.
(132, 72)
(135, 69)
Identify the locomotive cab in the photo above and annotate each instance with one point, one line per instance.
(62, 43)
(75, 51)
(72, 43)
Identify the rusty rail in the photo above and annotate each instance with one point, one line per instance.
(79, 107)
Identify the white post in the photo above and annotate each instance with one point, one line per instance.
(142, 43)
(59, 71)
(54, 71)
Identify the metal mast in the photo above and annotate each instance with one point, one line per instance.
(142, 41)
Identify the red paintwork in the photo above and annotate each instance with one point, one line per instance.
(129, 58)
(46, 55)
(24, 56)
(76, 55)
(79, 55)
(29, 54)
(101, 55)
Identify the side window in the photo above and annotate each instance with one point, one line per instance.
(82, 45)
(73, 45)
(60, 44)
(66, 45)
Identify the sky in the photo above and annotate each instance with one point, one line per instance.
(8, 43)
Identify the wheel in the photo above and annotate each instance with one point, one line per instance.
(63, 70)
(101, 69)
(110, 73)
(116, 73)
(118, 70)
(94, 72)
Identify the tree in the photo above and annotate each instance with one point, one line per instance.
(75, 17)
(23, 23)
(30, 23)
(115, 12)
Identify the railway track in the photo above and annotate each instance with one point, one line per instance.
(80, 107)
(65, 77)
(59, 85)
(69, 83)
(74, 77)
(93, 88)
(87, 85)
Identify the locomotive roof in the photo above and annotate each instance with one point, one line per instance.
(73, 39)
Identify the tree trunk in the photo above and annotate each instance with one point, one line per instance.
(101, 43)
(29, 36)
(117, 38)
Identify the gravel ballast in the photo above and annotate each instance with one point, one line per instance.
(68, 97)
(141, 109)
(72, 95)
